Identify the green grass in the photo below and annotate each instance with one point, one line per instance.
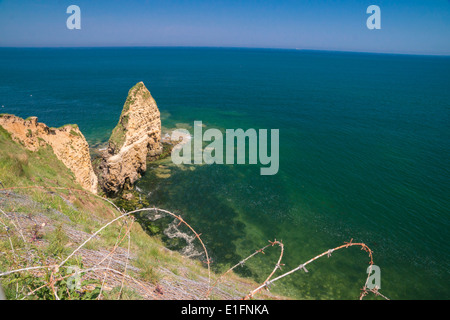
(74, 126)
(126, 294)
(117, 138)
(74, 133)
(21, 167)
(80, 210)
(57, 240)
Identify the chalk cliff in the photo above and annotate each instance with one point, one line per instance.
(136, 138)
(68, 143)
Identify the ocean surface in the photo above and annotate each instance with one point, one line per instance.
(364, 153)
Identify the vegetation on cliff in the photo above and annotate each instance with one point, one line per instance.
(137, 93)
(45, 215)
(136, 138)
(67, 142)
(59, 239)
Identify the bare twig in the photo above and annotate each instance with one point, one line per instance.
(54, 268)
(303, 266)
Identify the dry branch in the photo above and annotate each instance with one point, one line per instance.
(56, 267)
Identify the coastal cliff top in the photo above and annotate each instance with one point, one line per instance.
(67, 142)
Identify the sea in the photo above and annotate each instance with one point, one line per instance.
(364, 154)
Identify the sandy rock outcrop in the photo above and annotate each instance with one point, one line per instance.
(136, 138)
(68, 143)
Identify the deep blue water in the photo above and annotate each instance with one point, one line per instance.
(364, 152)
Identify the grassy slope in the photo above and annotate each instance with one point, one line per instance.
(117, 138)
(84, 213)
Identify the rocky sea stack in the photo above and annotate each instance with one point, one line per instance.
(135, 139)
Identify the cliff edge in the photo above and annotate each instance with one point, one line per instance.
(135, 139)
(67, 142)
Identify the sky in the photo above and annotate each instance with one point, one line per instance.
(411, 27)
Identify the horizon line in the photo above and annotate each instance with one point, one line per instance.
(226, 47)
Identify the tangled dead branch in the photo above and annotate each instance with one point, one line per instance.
(55, 268)
(302, 266)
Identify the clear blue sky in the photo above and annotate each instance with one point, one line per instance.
(413, 26)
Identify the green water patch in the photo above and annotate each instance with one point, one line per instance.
(237, 211)
(173, 188)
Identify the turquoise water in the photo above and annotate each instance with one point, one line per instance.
(364, 152)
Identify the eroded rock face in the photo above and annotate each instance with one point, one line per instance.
(136, 137)
(68, 143)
